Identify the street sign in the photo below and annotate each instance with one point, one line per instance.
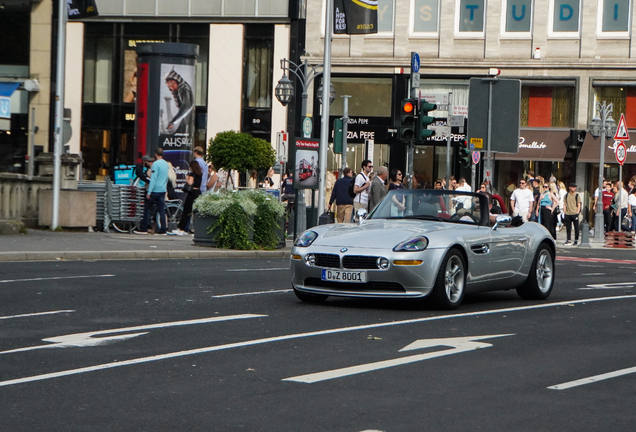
(443, 131)
(504, 116)
(282, 140)
(438, 99)
(455, 345)
(621, 152)
(621, 130)
(477, 142)
(476, 156)
(415, 80)
(308, 127)
(5, 107)
(457, 120)
(415, 70)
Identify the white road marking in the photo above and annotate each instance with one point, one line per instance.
(56, 278)
(619, 285)
(252, 293)
(593, 379)
(592, 274)
(294, 336)
(87, 339)
(36, 314)
(458, 345)
(257, 269)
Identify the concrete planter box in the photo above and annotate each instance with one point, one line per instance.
(201, 225)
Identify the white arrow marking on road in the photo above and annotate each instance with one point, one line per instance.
(87, 339)
(593, 379)
(610, 286)
(458, 345)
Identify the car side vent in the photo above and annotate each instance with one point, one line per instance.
(480, 249)
(327, 260)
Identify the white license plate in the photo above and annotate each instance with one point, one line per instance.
(344, 276)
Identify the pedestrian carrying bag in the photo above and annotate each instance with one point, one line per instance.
(352, 194)
(627, 223)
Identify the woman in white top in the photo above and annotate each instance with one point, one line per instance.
(562, 193)
(631, 209)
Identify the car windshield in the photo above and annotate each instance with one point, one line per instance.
(432, 204)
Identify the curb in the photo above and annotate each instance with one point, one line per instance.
(136, 255)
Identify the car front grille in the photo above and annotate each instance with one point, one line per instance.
(360, 262)
(327, 260)
(355, 287)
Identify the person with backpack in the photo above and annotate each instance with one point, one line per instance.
(361, 186)
(340, 194)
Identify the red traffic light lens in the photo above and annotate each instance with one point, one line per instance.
(408, 107)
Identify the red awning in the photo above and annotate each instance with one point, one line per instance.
(542, 145)
(591, 150)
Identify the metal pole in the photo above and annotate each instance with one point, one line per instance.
(448, 140)
(488, 161)
(620, 198)
(59, 112)
(324, 130)
(599, 234)
(31, 153)
(345, 129)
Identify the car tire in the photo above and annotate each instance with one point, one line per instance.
(310, 298)
(450, 284)
(540, 281)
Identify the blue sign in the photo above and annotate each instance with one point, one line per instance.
(415, 63)
(5, 107)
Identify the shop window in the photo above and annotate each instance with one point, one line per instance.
(614, 16)
(565, 18)
(623, 100)
(471, 16)
(518, 16)
(98, 69)
(385, 16)
(15, 33)
(425, 16)
(547, 106)
(258, 70)
(370, 97)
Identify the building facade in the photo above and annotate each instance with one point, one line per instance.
(568, 54)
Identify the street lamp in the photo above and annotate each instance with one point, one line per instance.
(601, 125)
(305, 73)
(332, 94)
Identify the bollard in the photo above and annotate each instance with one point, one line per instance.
(585, 235)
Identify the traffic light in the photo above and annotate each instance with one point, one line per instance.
(407, 120)
(464, 153)
(338, 137)
(421, 131)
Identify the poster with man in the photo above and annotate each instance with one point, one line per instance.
(176, 116)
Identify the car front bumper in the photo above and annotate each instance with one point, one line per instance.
(397, 281)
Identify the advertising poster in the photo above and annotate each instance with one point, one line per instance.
(355, 16)
(176, 116)
(306, 169)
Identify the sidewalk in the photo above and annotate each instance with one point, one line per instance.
(42, 245)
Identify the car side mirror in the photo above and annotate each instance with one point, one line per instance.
(362, 215)
(502, 220)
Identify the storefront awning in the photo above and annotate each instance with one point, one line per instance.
(591, 150)
(7, 88)
(540, 145)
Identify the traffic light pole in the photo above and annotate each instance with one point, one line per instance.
(448, 140)
(345, 128)
(488, 164)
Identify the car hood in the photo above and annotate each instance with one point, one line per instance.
(382, 233)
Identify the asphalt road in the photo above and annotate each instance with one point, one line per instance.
(223, 345)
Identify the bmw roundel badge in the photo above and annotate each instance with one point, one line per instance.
(343, 250)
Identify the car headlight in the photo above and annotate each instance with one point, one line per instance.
(306, 239)
(415, 244)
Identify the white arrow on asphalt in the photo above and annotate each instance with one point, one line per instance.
(458, 345)
(88, 339)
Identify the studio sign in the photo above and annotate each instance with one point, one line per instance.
(534, 145)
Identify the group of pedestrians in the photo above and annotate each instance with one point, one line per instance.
(160, 178)
(619, 205)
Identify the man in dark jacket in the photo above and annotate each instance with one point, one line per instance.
(340, 194)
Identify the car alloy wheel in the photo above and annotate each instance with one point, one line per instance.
(544, 271)
(454, 279)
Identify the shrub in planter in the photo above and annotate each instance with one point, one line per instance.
(269, 212)
(233, 211)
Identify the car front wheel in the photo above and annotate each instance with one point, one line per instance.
(540, 280)
(448, 292)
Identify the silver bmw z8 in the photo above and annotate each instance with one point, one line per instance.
(424, 243)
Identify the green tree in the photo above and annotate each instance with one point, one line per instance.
(231, 150)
